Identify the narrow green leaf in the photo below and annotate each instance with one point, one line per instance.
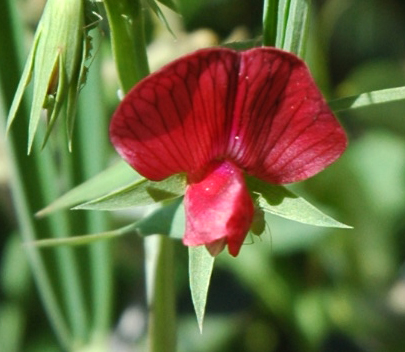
(297, 26)
(158, 12)
(139, 193)
(282, 22)
(108, 180)
(170, 4)
(75, 87)
(201, 264)
(367, 99)
(24, 81)
(83, 239)
(282, 202)
(43, 70)
(57, 104)
(270, 13)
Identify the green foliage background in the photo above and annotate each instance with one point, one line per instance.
(297, 287)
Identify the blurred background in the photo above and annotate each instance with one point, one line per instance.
(296, 287)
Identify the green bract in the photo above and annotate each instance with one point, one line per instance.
(56, 63)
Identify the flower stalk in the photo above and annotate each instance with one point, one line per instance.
(129, 52)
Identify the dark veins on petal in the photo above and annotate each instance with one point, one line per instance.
(259, 108)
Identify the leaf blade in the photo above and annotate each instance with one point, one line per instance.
(279, 201)
(367, 99)
(139, 193)
(201, 264)
(107, 180)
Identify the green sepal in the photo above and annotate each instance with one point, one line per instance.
(200, 266)
(280, 201)
(139, 193)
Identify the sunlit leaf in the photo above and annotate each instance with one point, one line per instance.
(116, 176)
(200, 264)
(282, 202)
(139, 193)
(24, 81)
(296, 26)
(369, 98)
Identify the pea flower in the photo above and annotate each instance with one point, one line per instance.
(218, 114)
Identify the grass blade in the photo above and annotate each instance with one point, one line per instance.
(367, 99)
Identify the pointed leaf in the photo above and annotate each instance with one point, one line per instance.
(58, 101)
(108, 180)
(370, 98)
(139, 193)
(83, 239)
(158, 12)
(73, 91)
(170, 4)
(201, 264)
(44, 70)
(24, 81)
(282, 202)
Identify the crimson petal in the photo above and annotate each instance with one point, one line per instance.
(259, 108)
(219, 209)
(178, 119)
(283, 130)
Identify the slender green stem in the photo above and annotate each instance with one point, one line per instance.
(270, 13)
(129, 50)
(92, 142)
(160, 294)
(60, 225)
(26, 193)
(128, 40)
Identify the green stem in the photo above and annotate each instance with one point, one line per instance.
(129, 50)
(26, 193)
(160, 294)
(92, 136)
(128, 40)
(270, 13)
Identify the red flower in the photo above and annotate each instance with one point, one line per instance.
(216, 114)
